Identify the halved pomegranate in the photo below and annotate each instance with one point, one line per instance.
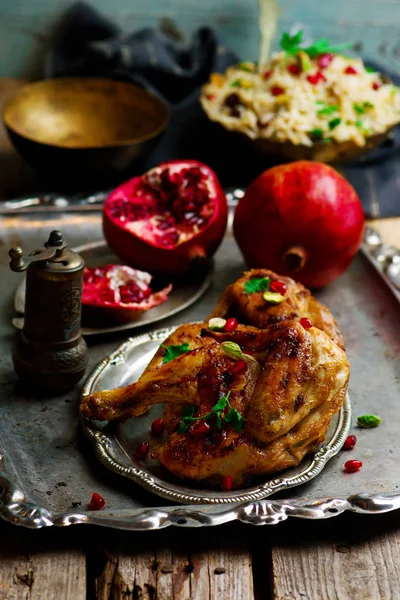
(116, 293)
(168, 219)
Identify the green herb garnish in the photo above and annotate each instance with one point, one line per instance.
(233, 418)
(369, 105)
(334, 123)
(173, 351)
(245, 67)
(359, 124)
(328, 110)
(369, 421)
(358, 108)
(236, 83)
(292, 45)
(258, 284)
(316, 133)
(370, 70)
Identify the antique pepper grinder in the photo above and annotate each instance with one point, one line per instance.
(51, 352)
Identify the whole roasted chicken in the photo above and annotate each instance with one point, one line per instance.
(250, 391)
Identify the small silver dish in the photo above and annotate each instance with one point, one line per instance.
(114, 445)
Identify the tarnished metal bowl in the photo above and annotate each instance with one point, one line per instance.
(84, 123)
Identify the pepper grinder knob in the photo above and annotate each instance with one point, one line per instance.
(16, 263)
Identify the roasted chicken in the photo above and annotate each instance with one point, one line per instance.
(240, 403)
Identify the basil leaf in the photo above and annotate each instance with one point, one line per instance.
(258, 284)
(173, 351)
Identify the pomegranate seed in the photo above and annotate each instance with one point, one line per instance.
(375, 86)
(314, 79)
(278, 287)
(351, 71)
(294, 69)
(324, 60)
(350, 442)
(231, 324)
(157, 427)
(200, 430)
(267, 74)
(96, 502)
(352, 465)
(239, 368)
(142, 450)
(277, 91)
(227, 484)
(211, 97)
(306, 323)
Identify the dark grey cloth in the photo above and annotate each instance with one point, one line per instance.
(87, 44)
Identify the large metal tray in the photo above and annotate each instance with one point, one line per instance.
(48, 467)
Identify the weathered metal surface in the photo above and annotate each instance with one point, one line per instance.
(53, 466)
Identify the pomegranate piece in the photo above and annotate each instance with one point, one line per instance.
(199, 430)
(351, 71)
(324, 60)
(239, 368)
(352, 465)
(376, 86)
(350, 442)
(168, 219)
(157, 427)
(142, 450)
(227, 484)
(277, 91)
(231, 324)
(267, 74)
(314, 79)
(96, 502)
(306, 323)
(116, 293)
(294, 69)
(279, 287)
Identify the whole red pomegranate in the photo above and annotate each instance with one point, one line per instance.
(301, 219)
(117, 294)
(167, 219)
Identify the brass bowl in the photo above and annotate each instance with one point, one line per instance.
(84, 123)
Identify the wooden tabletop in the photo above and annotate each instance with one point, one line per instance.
(350, 557)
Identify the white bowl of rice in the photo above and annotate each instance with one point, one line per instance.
(325, 107)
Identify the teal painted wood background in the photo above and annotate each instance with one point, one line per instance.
(27, 25)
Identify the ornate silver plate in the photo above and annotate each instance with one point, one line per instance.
(115, 447)
(184, 293)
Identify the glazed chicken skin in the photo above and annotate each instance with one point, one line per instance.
(253, 310)
(286, 387)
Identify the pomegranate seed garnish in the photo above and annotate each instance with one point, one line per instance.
(267, 74)
(324, 60)
(211, 97)
(277, 91)
(294, 69)
(157, 427)
(314, 79)
(96, 502)
(279, 287)
(352, 465)
(350, 442)
(227, 484)
(200, 430)
(306, 323)
(239, 368)
(351, 71)
(142, 450)
(231, 324)
(375, 86)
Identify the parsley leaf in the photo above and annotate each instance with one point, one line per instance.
(368, 105)
(334, 123)
(316, 133)
(359, 124)
(292, 45)
(235, 83)
(370, 70)
(187, 417)
(258, 284)
(328, 110)
(173, 351)
(221, 404)
(358, 109)
(235, 419)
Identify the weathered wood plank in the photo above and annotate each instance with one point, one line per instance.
(42, 575)
(156, 570)
(347, 558)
